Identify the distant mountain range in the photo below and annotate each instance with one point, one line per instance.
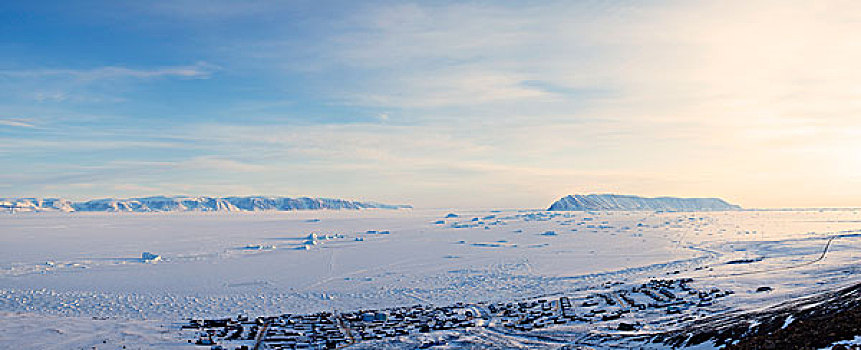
(628, 202)
(179, 204)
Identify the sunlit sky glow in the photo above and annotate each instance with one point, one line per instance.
(437, 104)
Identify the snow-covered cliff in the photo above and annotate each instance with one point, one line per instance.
(627, 202)
(169, 204)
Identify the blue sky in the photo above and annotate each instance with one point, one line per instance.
(438, 104)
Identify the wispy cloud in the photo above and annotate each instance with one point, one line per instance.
(94, 86)
(200, 70)
(215, 163)
(17, 123)
(468, 87)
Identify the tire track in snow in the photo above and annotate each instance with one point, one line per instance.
(802, 264)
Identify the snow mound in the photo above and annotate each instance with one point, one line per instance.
(151, 258)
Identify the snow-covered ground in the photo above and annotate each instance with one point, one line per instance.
(78, 280)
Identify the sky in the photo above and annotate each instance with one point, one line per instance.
(438, 104)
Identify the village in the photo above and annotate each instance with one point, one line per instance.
(617, 308)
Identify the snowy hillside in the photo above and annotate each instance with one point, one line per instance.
(35, 204)
(628, 202)
(170, 204)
